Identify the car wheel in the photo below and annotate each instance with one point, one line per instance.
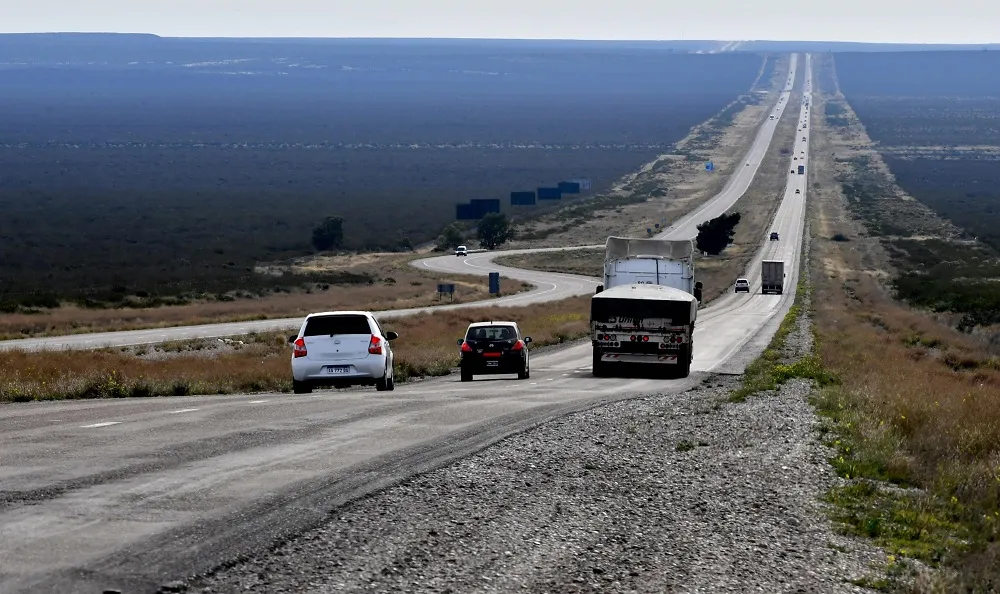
(387, 382)
(524, 373)
(301, 387)
(466, 376)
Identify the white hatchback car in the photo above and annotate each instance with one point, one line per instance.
(340, 349)
(461, 251)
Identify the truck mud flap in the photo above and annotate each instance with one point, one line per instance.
(630, 358)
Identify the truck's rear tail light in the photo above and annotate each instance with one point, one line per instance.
(645, 339)
(632, 338)
(375, 346)
(299, 348)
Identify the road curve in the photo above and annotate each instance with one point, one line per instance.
(548, 286)
(129, 494)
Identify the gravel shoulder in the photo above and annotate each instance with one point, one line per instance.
(687, 492)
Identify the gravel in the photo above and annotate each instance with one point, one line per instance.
(684, 493)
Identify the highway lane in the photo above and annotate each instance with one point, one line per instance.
(129, 494)
(548, 287)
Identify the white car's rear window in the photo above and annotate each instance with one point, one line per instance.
(340, 324)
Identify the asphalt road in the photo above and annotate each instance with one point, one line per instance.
(130, 494)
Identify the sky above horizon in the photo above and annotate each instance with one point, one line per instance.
(889, 21)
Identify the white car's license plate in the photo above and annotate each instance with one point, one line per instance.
(338, 369)
(493, 364)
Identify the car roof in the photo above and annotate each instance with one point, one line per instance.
(493, 323)
(340, 313)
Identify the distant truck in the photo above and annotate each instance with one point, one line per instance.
(772, 276)
(802, 169)
(645, 311)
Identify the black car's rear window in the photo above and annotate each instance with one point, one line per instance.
(341, 324)
(492, 333)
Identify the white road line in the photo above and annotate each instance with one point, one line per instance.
(105, 424)
(183, 410)
(257, 402)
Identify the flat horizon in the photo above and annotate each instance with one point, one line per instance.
(497, 39)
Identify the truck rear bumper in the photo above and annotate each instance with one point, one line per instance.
(662, 359)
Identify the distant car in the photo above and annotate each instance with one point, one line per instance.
(341, 349)
(793, 171)
(742, 285)
(803, 138)
(491, 348)
(461, 251)
(748, 165)
(797, 191)
(795, 158)
(774, 234)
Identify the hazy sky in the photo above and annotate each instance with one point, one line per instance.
(921, 21)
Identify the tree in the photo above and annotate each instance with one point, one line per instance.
(329, 234)
(451, 237)
(716, 235)
(495, 229)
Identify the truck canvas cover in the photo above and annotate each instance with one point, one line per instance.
(619, 248)
(646, 307)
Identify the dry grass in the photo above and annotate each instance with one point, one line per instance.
(399, 286)
(664, 189)
(261, 363)
(588, 262)
(916, 406)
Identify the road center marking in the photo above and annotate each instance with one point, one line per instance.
(257, 402)
(183, 410)
(104, 424)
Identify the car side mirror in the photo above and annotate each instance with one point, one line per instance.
(293, 338)
(460, 341)
(391, 336)
(527, 340)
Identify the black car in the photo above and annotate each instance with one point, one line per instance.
(492, 348)
(774, 236)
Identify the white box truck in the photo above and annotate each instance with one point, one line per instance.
(772, 276)
(645, 311)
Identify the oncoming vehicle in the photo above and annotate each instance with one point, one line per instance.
(798, 191)
(491, 348)
(774, 236)
(742, 286)
(341, 349)
(461, 251)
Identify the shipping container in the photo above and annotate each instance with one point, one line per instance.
(567, 187)
(483, 206)
(549, 194)
(522, 198)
